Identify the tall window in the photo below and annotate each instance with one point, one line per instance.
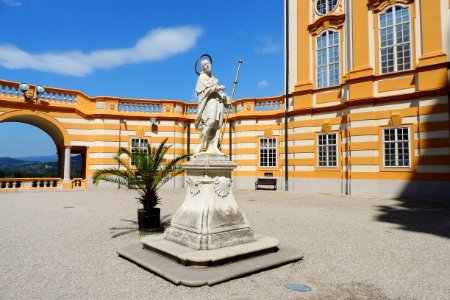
(268, 152)
(396, 147)
(327, 150)
(328, 59)
(325, 6)
(138, 145)
(395, 39)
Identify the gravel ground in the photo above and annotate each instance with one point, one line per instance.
(61, 245)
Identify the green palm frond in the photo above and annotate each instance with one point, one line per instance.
(150, 171)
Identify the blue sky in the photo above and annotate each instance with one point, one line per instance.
(137, 49)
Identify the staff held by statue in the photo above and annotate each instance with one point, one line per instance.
(230, 101)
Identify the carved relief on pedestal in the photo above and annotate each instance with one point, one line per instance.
(192, 184)
(222, 186)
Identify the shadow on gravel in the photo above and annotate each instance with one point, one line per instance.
(119, 231)
(418, 216)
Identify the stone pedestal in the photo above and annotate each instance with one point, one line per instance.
(209, 217)
(209, 240)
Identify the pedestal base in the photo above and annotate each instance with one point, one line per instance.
(211, 240)
(162, 257)
(208, 258)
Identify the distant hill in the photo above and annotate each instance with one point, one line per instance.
(37, 166)
(9, 161)
(47, 158)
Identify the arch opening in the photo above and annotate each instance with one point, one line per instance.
(58, 134)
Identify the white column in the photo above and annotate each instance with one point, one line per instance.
(66, 163)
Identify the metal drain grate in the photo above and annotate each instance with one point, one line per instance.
(298, 287)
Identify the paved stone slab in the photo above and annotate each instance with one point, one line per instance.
(194, 277)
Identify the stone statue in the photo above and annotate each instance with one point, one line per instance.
(211, 103)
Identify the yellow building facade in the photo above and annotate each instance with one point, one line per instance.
(368, 111)
(97, 127)
(369, 81)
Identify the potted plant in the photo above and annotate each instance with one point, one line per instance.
(146, 172)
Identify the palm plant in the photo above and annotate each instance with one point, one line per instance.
(149, 172)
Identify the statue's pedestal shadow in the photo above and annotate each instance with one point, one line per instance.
(209, 240)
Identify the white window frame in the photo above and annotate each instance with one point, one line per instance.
(326, 150)
(269, 151)
(138, 144)
(395, 44)
(328, 8)
(398, 144)
(329, 48)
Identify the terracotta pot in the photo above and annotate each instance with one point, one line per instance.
(149, 220)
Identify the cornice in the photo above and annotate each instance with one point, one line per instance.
(380, 5)
(330, 21)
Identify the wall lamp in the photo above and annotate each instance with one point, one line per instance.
(38, 91)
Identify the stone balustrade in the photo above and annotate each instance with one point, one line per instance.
(59, 97)
(256, 106)
(79, 183)
(137, 106)
(140, 107)
(10, 90)
(191, 110)
(30, 183)
(10, 184)
(265, 106)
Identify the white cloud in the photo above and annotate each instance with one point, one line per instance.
(263, 84)
(12, 2)
(268, 46)
(156, 45)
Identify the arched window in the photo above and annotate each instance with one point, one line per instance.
(395, 39)
(327, 55)
(325, 6)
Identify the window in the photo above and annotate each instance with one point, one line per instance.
(138, 145)
(328, 59)
(327, 149)
(395, 39)
(268, 152)
(396, 153)
(325, 6)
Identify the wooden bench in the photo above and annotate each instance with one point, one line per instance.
(266, 182)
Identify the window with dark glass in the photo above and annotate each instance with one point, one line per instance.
(396, 150)
(328, 59)
(395, 39)
(138, 145)
(327, 150)
(325, 6)
(268, 152)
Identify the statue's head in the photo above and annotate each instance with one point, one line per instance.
(206, 66)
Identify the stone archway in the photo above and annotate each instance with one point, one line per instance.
(53, 128)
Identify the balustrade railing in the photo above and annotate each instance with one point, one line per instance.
(271, 105)
(59, 97)
(10, 90)
(38, 183)
(78, 183)
(191, 110)
(140, 107)
(30, 183)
